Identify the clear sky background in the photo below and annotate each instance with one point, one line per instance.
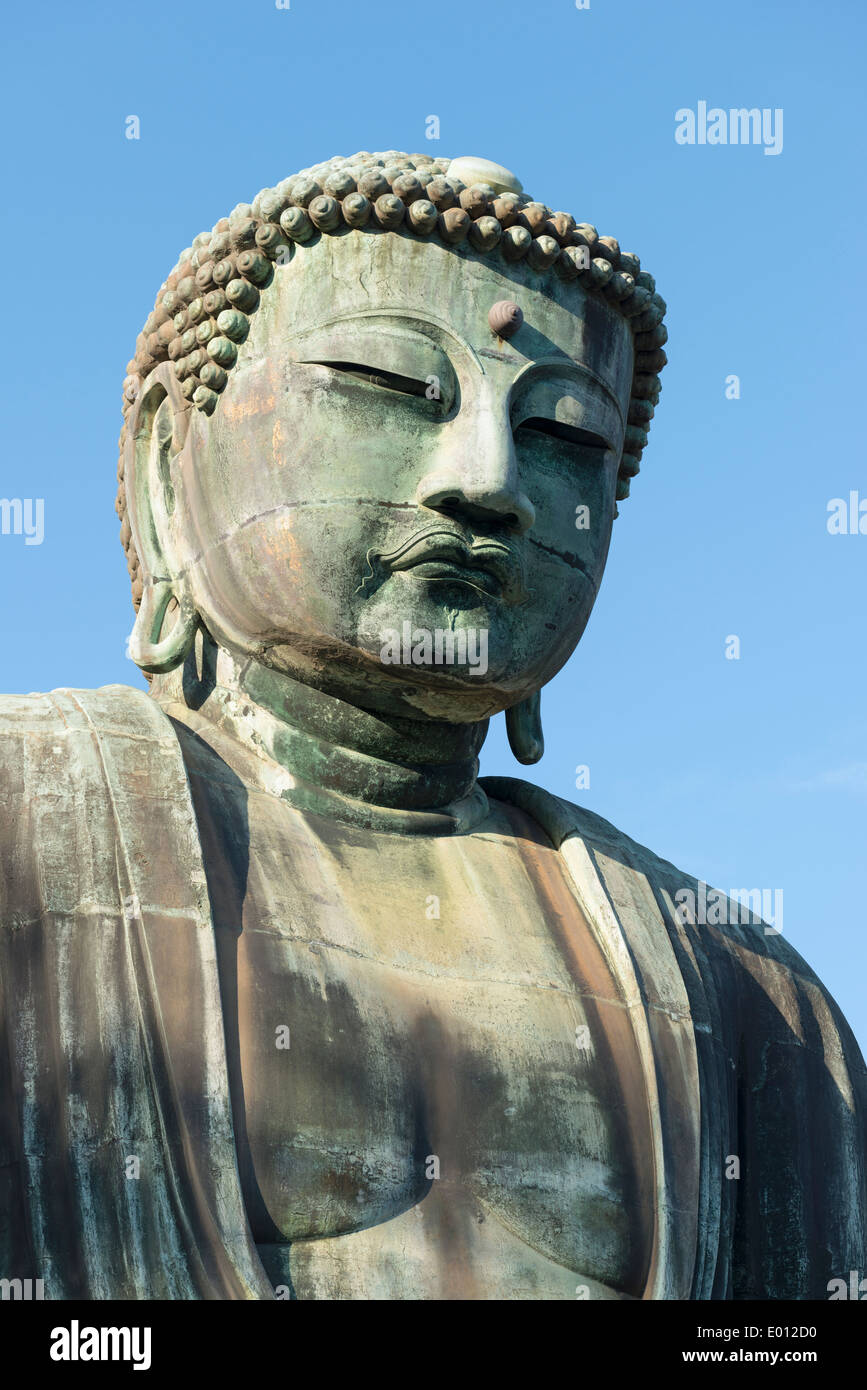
(749, 773)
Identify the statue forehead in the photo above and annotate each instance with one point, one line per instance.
(344, 280)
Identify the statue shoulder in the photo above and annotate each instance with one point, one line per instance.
(45, 736)
(736, 924)
(561, 819)
(95, 807)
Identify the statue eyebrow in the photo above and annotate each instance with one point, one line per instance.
(409, 323)
(569, 366)
(370, 330)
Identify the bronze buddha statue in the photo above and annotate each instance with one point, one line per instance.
(296, 1005)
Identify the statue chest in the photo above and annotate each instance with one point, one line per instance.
(434, 1078)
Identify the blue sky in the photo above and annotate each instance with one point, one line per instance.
(747, 773)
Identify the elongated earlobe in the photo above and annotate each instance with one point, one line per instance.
(147, 647)
(524, 727)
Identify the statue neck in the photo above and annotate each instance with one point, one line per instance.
(325, 755)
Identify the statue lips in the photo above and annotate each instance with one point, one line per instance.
(486, 564)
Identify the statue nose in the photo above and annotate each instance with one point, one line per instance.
(477, 478)
(446, 491)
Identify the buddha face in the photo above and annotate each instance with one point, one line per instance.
(381, 466)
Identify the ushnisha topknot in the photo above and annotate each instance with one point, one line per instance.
(203, 309)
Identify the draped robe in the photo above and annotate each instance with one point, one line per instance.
(118, 1170)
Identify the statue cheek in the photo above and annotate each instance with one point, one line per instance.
(291, 572)
(572, 530)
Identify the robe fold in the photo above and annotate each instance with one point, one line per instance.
(118, 1170)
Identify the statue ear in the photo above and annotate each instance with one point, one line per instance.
(524, 728)
(156, 436)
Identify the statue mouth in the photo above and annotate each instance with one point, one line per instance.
(438, 554)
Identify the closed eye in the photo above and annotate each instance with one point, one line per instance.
(386, 381)
(585, 439)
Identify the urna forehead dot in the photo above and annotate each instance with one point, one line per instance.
(505, 318)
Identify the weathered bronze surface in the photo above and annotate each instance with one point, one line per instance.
(294, 1005)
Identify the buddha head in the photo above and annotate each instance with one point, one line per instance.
(376, 430)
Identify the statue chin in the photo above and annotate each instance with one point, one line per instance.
(458, 691)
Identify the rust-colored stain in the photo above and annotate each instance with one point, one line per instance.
(278, 443)
(240, 407)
